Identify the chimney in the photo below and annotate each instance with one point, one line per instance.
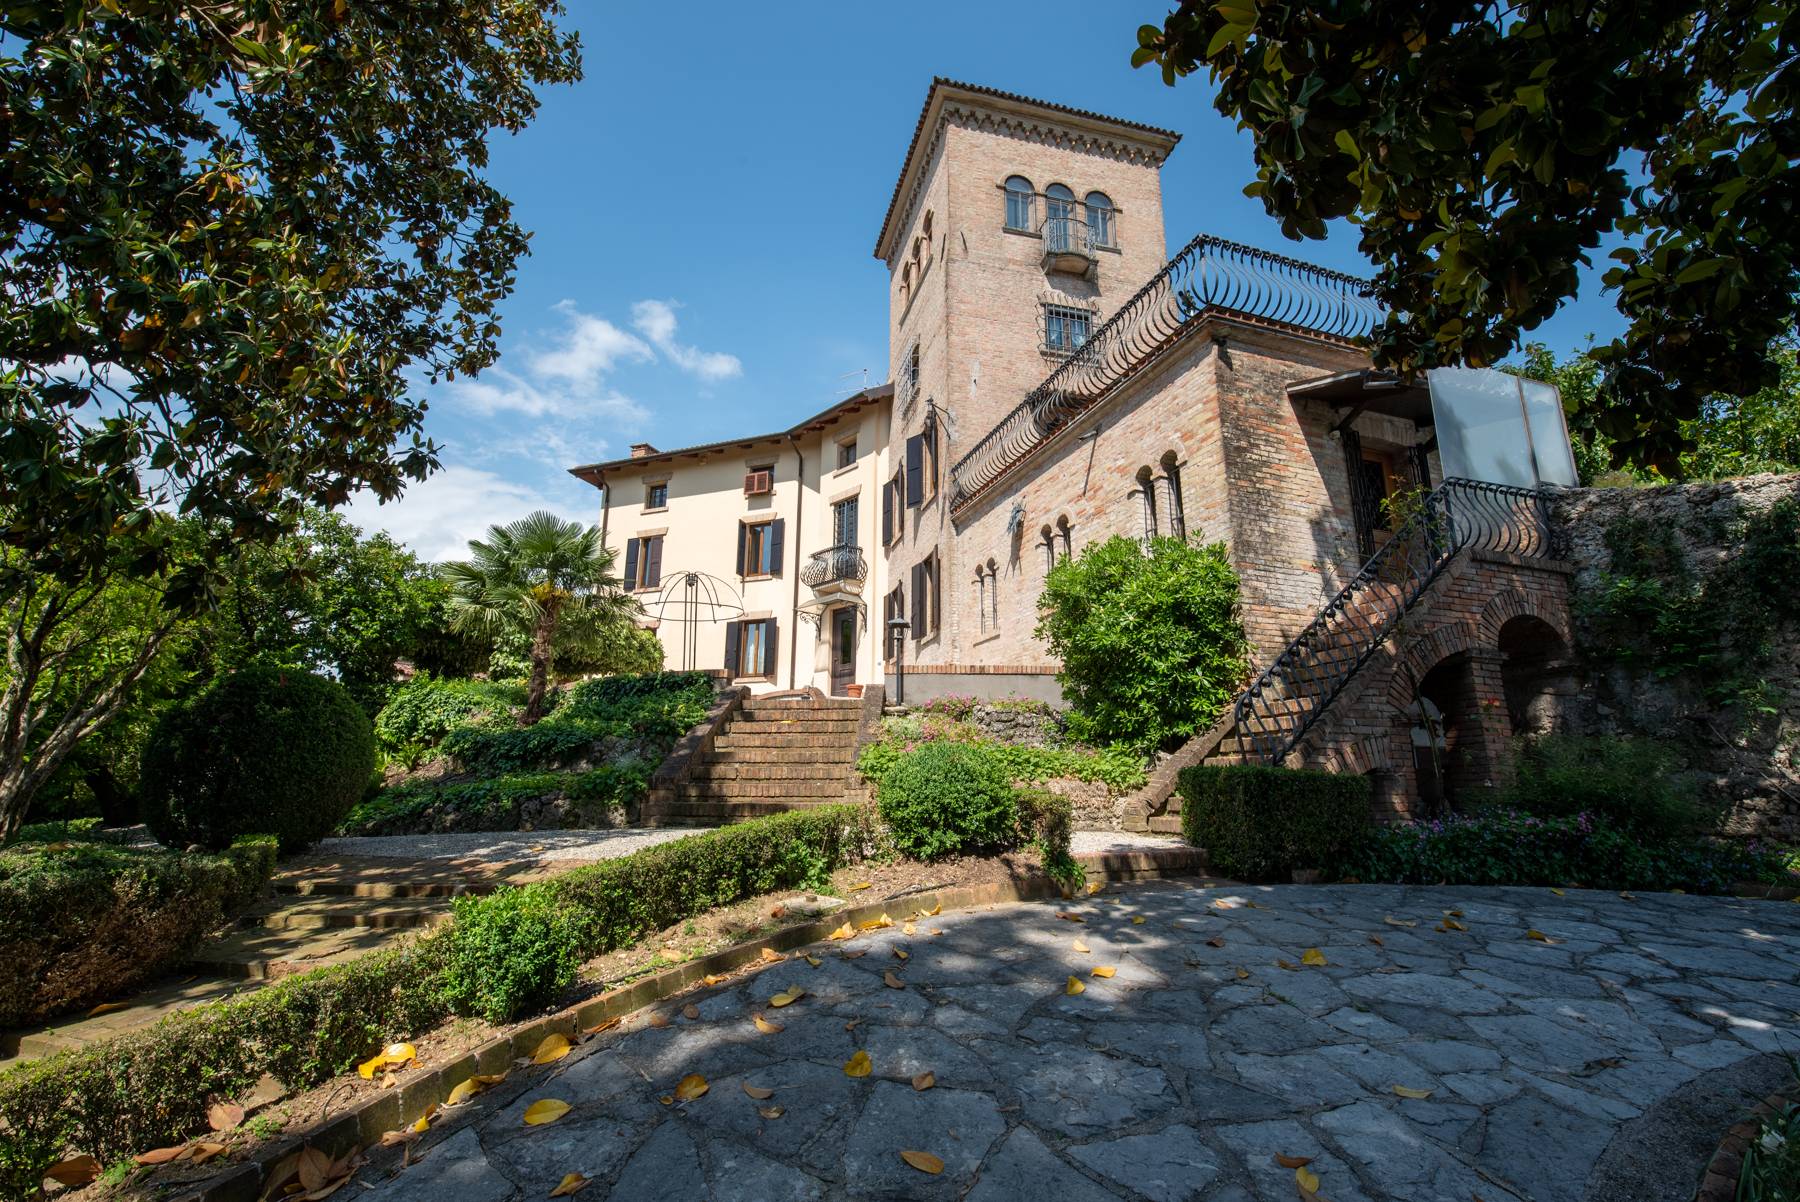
(640, 450)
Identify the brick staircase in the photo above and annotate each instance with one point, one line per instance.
(772, 754)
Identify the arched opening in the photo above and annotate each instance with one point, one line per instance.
(1535, 673)
(1448, 757)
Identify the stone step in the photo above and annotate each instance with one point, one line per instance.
(719, 813)
(835, 705)
(737, 790)
(767, 737)
(799, 726)
(834, 753)
(261, 954)
(797, 768)
(323, 876)
(325, 912)
(1165, 824)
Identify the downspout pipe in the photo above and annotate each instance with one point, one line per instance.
(799, 510)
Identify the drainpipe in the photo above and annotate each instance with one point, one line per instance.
(799, 508)
(605, 506)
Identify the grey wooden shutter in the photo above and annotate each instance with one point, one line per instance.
(887, 514)
(653, 571)
(777, 528)
(743, 533)
(918, 600)
(631, 557)
(731, 648)
(770, 637)
(915, 471)
(937, 592)
(931, 445)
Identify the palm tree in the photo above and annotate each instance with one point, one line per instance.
(542, 575)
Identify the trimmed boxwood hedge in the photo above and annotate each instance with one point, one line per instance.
(1260, 824)
(150, 1088)
(82, 919)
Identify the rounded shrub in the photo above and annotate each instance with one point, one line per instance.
(262, 751)
(947, 797)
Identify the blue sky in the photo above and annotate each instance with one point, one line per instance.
(704, 205)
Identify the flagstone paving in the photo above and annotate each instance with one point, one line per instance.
(1190, 1069)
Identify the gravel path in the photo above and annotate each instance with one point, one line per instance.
(1083, 842)
(505, 846)
(1535, 1068)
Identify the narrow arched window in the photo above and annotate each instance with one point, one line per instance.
(1019, 194)
(1100, 219)
(1066, 537)
(1058, 202)
(1048, 538)
(993, 578)
(1172, 487)
(1147, 491)
(981, 602)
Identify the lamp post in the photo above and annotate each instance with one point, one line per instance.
(897, 628)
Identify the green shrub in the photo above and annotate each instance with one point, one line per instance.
(1635, 784)
(505, 951)
(262, 750)
(1120, 769)
(1260, 823)
(150, 1088)
(1152, 647)
(58, 831)
(946, 798)
(423, 711)
(82, 921)
(547, 744)
(1047, 823)
(657, 709)
(1504, 847)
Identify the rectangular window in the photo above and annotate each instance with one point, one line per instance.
(846, 453)
(759, 548)
(1065, 329)
(843, 524)
(656, 496)
(750, 647)
(643, 563)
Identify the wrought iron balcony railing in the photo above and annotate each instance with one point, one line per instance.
(835, 565)
(1069, 242)
(1282, 704)
(1209, 274)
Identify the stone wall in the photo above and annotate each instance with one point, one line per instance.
(1746, 762)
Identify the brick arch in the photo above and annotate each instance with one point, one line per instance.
(1426, 652)
(1372, 753)
(1513, 603)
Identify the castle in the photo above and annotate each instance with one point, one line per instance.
(1055, 380)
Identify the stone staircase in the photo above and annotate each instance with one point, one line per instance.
(773, 753)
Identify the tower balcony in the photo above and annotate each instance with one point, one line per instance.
(1070, 243)
(835, 570)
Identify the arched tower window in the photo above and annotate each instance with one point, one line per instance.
(1019, 194)
(1100, 219)
(1147, 493)
(1171, 467)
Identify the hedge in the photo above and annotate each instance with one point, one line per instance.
(85, 919)
(151, 1088)
(1260, 823)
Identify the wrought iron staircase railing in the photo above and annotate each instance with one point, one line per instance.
(1208, 273)
(1291, 695)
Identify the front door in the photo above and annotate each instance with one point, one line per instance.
(843, 649)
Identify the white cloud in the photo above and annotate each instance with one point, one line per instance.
(438, 516)
(588, 350)
(655, 320)
(498, 391)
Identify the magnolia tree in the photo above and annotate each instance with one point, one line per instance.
(232, 236)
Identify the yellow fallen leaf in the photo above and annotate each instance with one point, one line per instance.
(1068, 917)
(901, 953)
(1103, 970)
(1306, 1179)
(787, 997)
(571, 1184)
(108, 1008)
(485, 1080)
(1137, 920)
(1081, 947)
(858, 1065)
(1540, 937)
(548, 1110)
(667, 1099)
(767, 1027)
(844, 932)
(1408, 1092)
(924, 1081)
(462, 1092)
(772, 956)
(757, 1092)
(366, 1070)
(691, 1087)
(891, 981)
(1243, 974)
(201, 1152)
(1093, 888)
(77, 1170)
(1450, 924)
(771, 1112)
(925, 1162)
(1400, 922)
(551, 1048)
(1453, 913)
(1292, 1162)
(1074, 987)
(910, 928)
(421, 1125)
(1312, 957)
(607, 1025)
(223, 1116)
(1557, 891)
(861, 885)
(935, 910)
(1286, 965)
(814, 961)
